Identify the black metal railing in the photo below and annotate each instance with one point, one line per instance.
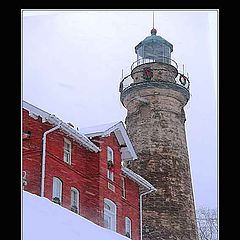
(128, 81)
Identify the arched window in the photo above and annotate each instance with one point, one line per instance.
(110, 214)
(110, 154)
(110, 161)
(57, 190)
(74, 200)
(128, 227)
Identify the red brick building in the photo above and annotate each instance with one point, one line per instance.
(83, 171)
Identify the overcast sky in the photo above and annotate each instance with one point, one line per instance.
(73, 61)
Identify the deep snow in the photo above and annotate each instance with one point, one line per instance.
(45, 220)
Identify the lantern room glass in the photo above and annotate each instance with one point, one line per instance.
(155, 53)
(154, 48)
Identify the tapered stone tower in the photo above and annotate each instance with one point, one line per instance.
(154, 94)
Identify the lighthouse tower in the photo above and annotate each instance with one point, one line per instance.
(154, 94)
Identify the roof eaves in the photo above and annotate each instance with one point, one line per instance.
(78, 136)
(120, 126)
(51, 118)
(96, 134)
(35, 111)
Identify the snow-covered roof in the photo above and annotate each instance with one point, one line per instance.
(98, 129)
(51, 118)
(138, 179)
(127, 150)
(43, 219)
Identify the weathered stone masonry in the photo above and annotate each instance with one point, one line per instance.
(155, 124)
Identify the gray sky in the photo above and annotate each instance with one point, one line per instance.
(73, 61)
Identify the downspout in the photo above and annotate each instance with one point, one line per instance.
(44, 155)
(141, 195)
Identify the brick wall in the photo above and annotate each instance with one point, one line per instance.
(32, 152)
(87, 173)
(128, 207)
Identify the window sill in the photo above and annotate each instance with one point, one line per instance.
(110, 181)
(68, 163)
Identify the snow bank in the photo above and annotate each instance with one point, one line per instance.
(45, 220)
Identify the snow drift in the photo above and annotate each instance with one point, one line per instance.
(43, 219)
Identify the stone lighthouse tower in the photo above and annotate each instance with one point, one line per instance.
(154, 94)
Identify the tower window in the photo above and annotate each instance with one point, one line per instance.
(67, 151)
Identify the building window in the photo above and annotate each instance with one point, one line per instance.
(110, 161)
(110, 175)
(128, 227)
(24, 179)
(110, 155)
(67, 151)
(57, 190)
(111, 187)
(74, 200)
(110, 212)
(123, 188)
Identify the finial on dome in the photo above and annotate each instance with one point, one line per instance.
(153, 31)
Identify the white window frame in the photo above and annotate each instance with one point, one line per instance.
(110, 154)
(111, 187)
(73, 189)
(57, 188)
(128, 227)
(110, 175)
(123, 187)
(111, 214)
(68, 152)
